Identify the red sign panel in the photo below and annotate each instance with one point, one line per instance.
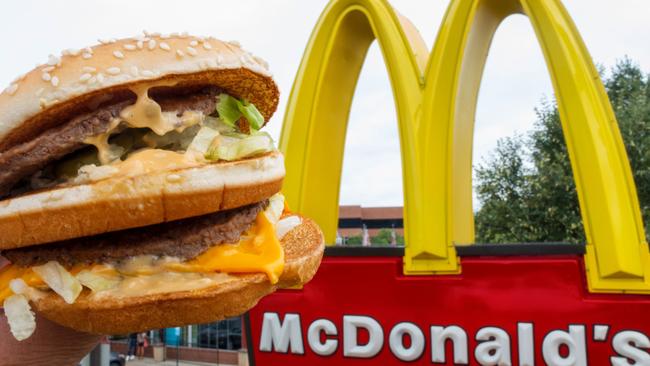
(525, 310)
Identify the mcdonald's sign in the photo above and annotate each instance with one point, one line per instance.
(442, 300)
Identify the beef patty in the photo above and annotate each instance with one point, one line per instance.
(184, 239)
(25, 159)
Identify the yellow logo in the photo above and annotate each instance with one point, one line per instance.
(435, 98)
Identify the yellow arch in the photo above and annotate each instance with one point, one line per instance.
(617, 254)
(315, 124)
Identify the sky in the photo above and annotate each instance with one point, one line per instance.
(515, 81)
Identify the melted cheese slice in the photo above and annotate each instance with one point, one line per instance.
(259, 251)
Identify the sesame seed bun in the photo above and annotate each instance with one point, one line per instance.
(303, 247)
(67, 85)
(126, 202)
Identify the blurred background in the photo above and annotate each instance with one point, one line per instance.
(516, 122)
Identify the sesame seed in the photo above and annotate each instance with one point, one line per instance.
(42, 102)
(184, 35)
(129, 47)
(152, 44)
(103, 41)
(164, 46)
(219, 59)
(191, 51)
(55, 81)
(100, 78)
(86, 55)
(48, 69)
(53, 60)
(85, 77)
(140, 44)
(73, 52)
(173, 178)
(194, 43)
(89, 69)
(88, 50)
(46, 76)
(234, 43)
(11, 89)
(180, 53)
(147, 73)
(118, 54)
(113, 70)
(134, 70)
(207, 46)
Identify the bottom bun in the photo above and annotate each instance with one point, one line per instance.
(303, 246)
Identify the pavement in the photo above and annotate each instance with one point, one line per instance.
(150, 361)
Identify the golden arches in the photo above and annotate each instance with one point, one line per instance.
(435, 116)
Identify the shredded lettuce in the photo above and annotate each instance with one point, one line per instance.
(20, 317)
(59, 280)
(228, 110)
(203, 140)
(231, 110)
(96, 281)
(251, 113)
(231, 148)
(275, 208)
(285, 225)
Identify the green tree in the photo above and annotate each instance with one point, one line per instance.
(528, 194)
(354, 240)
(383, 238)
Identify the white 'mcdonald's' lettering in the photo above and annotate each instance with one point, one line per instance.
(351, 347)
(458, 337)
(574, 340)
(627, 344)
(396, 341)
(313, 337)
(494, 347)
(407, 341)
(283, 336)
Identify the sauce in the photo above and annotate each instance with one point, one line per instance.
(147, 113)
(152, 160)
(165, 282)
(141, 162)
(105, 152)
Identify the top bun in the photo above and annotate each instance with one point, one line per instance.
(72, 84)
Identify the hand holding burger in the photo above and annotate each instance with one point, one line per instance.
(137, 190)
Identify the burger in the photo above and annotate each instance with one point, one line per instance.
(138, 191)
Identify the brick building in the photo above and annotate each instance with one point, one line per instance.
(353, 220)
